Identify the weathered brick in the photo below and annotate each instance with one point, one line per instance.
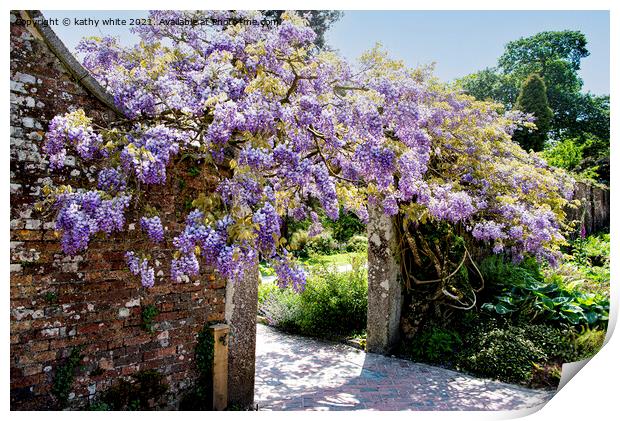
(60, 302)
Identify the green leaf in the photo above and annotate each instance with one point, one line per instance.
(560, 300)
(501, 309)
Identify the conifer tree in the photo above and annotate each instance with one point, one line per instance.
(533, 99)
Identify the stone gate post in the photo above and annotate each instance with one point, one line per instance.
(240, 314)
(384, 286)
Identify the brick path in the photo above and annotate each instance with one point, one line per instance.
(298, 373)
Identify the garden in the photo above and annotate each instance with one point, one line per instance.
(282, 153)
(531, 318)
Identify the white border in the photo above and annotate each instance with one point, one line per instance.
(590, 395)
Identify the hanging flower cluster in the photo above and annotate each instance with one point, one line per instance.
(298, 128)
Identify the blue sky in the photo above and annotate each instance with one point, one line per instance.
(459, 42)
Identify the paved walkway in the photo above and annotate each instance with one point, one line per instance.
(298, 373)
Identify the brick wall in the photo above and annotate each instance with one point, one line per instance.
(595, 207)
(60, 302)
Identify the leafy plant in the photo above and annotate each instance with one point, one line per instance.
(200, 397)
(65, 375)
(280, 306)
(332, 304)
(588, 342)
(345, 227)
(149, 312)
(50, 297)
(501, 353)
(525, 293)
(357, 243)
(434, 345)
(266, 270)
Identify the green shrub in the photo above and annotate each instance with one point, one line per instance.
(434, 345)
(266, 270)
(264, 291)
(65, 376)
(588, 343)
(554, 342)
(280, 306)
(357, 243)
(566, 154)
(502, 354)
(523, 292)
(303, 245)
(323, 243)
(332, 304)
(149, 313)
(345, 227)
(298, 243)
(570, 153)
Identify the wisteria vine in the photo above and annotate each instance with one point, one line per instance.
(299, 129)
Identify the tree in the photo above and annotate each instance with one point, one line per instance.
(533, 100)
(536, 54)
(286, 132)
(490, 84)
(556, 57)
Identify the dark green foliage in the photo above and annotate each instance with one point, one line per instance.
(533, 100)
(556, 343)
(65, 375)
(490, 84)
(533, 54)
(200, 397)
(357, 243)
(523, 294)
(194, 171)
(503, 354)
(434, 345)
(556, 57)
(145, 391)
(50, 297)
(534, 318)
(149, 312)
(205, 352)
(332, 305)
(522, 353)
(346, 226)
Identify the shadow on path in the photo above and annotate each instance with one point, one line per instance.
(299, 373)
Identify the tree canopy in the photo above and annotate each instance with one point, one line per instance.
(556, 57)
(299, 130)
(533, 100)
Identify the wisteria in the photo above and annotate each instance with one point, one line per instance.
(141, 267)
(81, 215)
(73, 129)
(153, 228)
(298, 130)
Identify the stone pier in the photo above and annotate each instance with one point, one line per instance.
(384, 285)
